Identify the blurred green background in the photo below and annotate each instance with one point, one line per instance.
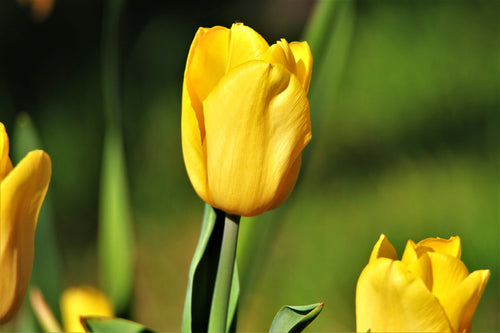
(405, 115)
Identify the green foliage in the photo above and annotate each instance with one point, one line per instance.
(113, 325)
(295, 318)
(115, 226)
(202, 273)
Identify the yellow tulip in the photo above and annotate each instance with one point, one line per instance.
(22, 190)
(428, 290)
(40, 9)
(245, 118)
(83, 301)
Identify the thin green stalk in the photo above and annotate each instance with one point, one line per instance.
(222, 289)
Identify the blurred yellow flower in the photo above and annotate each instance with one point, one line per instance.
(22, 190)
(83, 301)
(40, 9)
(429, 290)
(245, 118)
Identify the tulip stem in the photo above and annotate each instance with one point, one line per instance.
(222, 289)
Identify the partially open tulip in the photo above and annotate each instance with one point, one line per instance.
(83, 301)
(245, 118)
(428, 290)
(22, 190)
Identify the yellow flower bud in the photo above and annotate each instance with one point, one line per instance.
(245, 118)
(22, 190)
(83, 301)
(428, 290)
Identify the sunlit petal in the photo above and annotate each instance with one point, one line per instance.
(83, 301)
(304, 61)
(451, 246)
(245, 45)
(391, 299)
(21, 196)
(280, 53)
(461, 304)
(383, 249)
(5, 163)
(256, 130)
(193, 148)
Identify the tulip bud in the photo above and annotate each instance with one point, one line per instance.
(428, 290)
(22, 190)
(245, 118)
(83, 301)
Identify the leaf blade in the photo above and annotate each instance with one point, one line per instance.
(295, 318)
(111, 325)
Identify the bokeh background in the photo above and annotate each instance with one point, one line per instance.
(405, 117)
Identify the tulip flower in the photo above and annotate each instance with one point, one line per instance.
(245, 118)
(83, 301)
(22, 190)
(428, 290)
(40, 9)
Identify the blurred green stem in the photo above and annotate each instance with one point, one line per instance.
(115, 222)
(222, 290)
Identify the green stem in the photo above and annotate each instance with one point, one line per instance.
(222, 289)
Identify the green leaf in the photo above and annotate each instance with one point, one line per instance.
(112, 325)
(202, 273)
(46, 273)
(115, 225)
(295, 318)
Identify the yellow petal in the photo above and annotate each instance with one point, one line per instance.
(280, 53)
(391, 299)
(447, 273)
(193, 149)
(461, 304)
(83, 301)
(409, 255)
(245, 45)
(303, 60)
(383, 249)
(422, 268)
(257, 123)
(451, 246)
(21, 196)
(206, 63)
(5, 163)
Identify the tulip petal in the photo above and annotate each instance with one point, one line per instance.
(451, 246)
(245, 45)
(206, 63)
(391, 299)
(461, 304)
(257, 123)
(193, 149)
(383, 249)
(280, 53)
(83, 301)
(21, 196)
(447, 274)
(409, 254)
(5, 163)
(303, 60)
(422, 268)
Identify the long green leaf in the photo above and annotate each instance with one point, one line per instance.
(115, 225)
(202, 274)
(115, 218)
(295, 318)
(113, 325)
